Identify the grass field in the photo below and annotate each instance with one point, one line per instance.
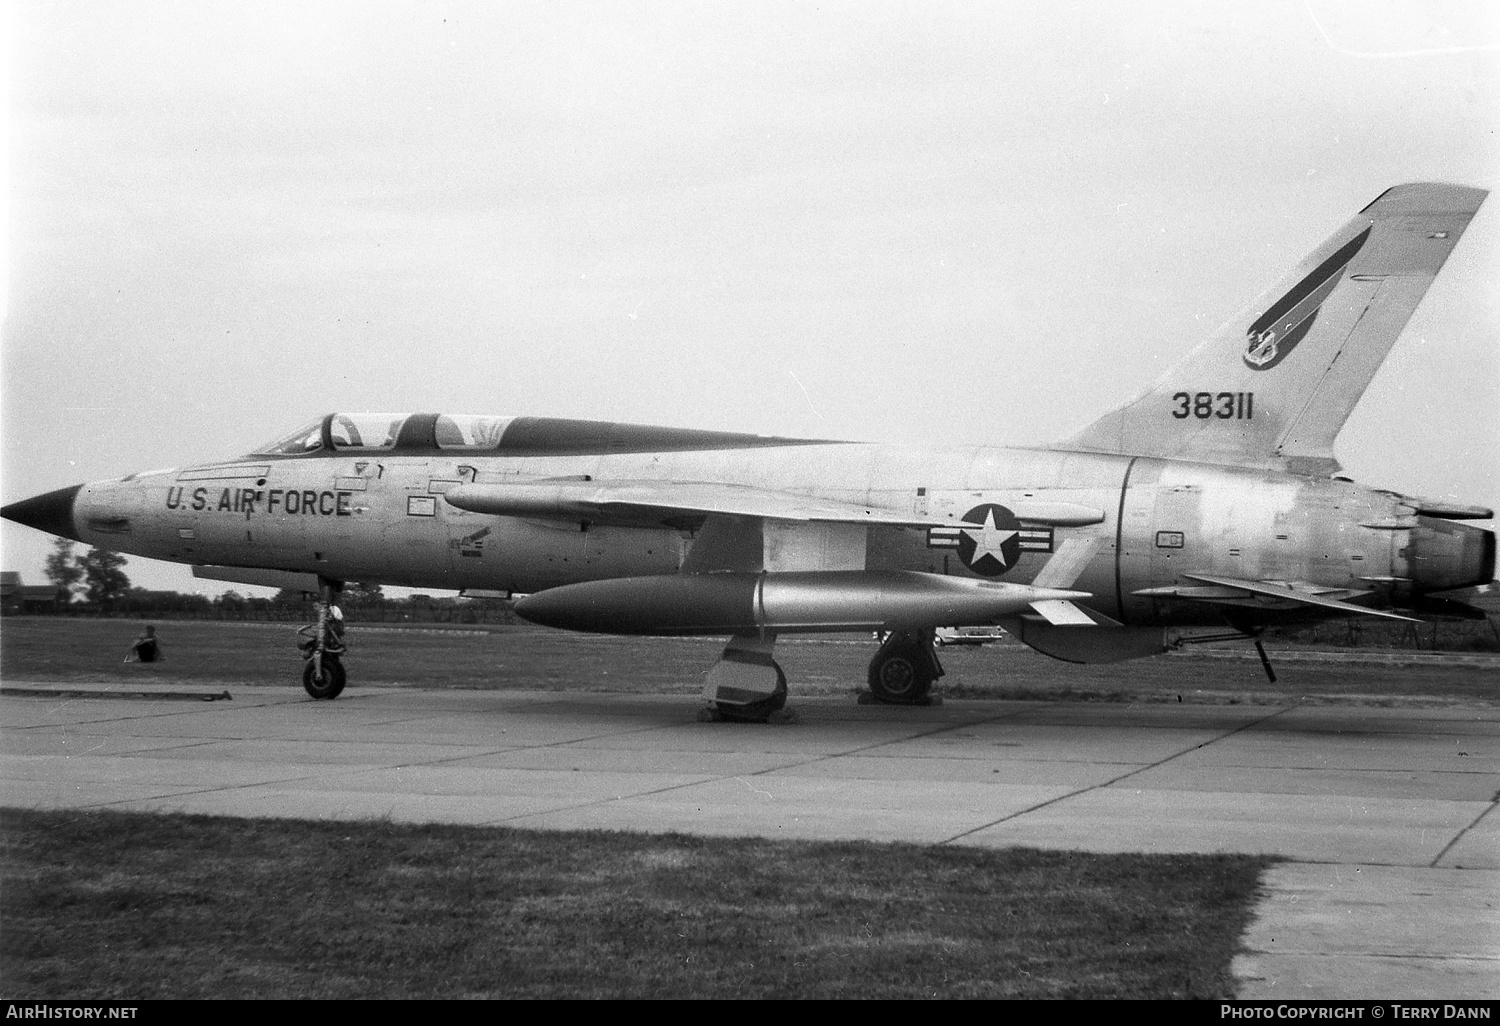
(130, 906)
(229, 654)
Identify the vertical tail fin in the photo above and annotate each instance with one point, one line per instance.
(1275, 384)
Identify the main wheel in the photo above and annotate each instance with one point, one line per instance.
(326, 685)
(900, 677)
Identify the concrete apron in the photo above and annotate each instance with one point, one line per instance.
(1387, 814)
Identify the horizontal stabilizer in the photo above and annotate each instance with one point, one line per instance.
(1444, 510)
(1287, 593)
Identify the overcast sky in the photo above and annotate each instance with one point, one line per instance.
(911, 222)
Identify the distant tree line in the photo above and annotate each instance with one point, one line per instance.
(1433, 635)
(100, 572)
(95, 584)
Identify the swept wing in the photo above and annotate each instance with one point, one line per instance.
(668, 501)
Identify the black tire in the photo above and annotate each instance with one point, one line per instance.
(757, 712)
(330, 684)
(901, 677)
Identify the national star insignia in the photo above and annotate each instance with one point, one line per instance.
(988, 539)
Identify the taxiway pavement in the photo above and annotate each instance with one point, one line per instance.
(1386, 815)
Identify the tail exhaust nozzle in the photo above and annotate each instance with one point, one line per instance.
(1445, 555)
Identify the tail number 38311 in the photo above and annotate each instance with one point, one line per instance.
(1223, 405)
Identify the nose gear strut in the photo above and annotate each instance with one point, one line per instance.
(323, 674)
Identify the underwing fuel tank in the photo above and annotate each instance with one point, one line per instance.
(744, 603)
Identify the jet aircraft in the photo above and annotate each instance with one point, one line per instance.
(1213, 501)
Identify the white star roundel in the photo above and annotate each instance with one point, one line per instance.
(993, 544)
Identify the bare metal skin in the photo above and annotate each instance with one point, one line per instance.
(1213, 500)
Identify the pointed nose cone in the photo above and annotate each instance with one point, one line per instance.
(52, 512)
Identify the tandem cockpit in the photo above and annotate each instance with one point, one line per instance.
(390, 432)
(431, 433)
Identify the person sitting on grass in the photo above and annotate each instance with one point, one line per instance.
(147, 648)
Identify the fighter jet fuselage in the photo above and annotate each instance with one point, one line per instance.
(395, 515)
(1214, 499)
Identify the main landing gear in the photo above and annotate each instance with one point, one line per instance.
(905, 667)
(746, 685)
(322, 646)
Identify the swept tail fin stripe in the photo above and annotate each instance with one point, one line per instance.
(1309, 293)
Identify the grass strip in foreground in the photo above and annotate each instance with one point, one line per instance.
(137, 905)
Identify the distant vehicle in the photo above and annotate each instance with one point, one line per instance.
(968, 635)
(1212, 499)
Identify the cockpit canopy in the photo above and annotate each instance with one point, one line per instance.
(428, 433)
(381, 432)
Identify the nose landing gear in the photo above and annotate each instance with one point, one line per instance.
(326, 679)
(322, 646)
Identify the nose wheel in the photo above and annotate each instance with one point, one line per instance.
(325, 681)
(905, 667)
(323, 674)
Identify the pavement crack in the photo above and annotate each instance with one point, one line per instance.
(755, 789)
(844, 753)
(1115, 780)
(1464, 832)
